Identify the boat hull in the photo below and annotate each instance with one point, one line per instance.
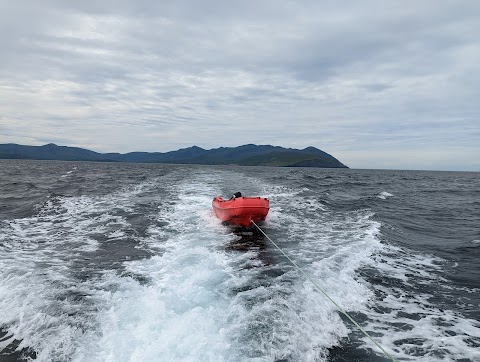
(241, 210)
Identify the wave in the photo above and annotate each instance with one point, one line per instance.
(148, 273)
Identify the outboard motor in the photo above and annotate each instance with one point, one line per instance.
(236, 194)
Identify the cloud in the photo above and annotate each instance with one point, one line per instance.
(350, 78)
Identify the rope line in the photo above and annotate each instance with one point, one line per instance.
(325, 294)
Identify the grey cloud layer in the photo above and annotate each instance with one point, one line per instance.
(351, 78)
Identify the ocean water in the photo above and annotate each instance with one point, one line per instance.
(126, 262)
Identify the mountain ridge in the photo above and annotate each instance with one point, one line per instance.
(245, 155)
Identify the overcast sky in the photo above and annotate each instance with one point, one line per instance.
(377, 84)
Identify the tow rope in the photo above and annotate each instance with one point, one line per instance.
(325, 293)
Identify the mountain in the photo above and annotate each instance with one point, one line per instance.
(246, 155)
(50, 152)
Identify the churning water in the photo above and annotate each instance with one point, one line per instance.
(126, 262)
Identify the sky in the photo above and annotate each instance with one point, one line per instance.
(377, 84)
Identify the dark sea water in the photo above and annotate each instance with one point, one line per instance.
(126, 262)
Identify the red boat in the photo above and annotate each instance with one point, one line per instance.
(240, 210)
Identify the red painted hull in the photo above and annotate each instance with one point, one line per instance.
(241, 210)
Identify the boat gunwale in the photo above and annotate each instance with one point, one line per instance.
(219, 203)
